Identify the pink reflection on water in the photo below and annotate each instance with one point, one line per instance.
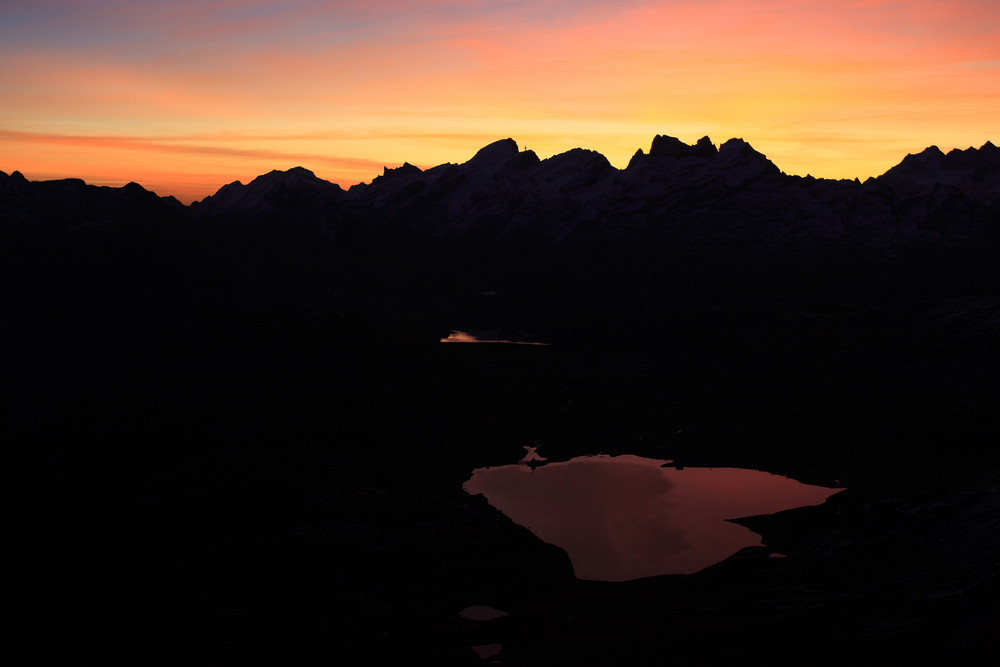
(479, 612)
(625, 517)
(483, 337)
(487, 651)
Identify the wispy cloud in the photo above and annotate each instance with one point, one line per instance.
(173, 145)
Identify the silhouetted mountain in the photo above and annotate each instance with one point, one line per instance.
(297, 189)
(973, 172)
(676, 192)
(70, 201)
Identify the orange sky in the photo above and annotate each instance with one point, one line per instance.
(186, 96)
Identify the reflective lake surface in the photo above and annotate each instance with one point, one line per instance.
(627, 517)
(484, 337)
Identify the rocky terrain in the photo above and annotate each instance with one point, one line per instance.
(235, 435)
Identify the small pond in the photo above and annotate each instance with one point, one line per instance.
(485, 337)
(627, 517)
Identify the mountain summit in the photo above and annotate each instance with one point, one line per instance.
(269, 192)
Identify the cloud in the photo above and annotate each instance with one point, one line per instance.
(162, 145)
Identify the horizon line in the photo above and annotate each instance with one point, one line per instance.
(187, 194)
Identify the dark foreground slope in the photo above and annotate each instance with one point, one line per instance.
(235, 435)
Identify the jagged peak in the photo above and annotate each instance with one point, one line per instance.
(704, 146)
(135, 190)
(667, 146)
(237, 196)
(296, 177)
(738, 150)
(737, 146)
(575, 160)
(278, 176)
(578, 154)
(929, 153)
(389, 173)
(405, 168)
(637, 158)
(495, 153)
(919, 161)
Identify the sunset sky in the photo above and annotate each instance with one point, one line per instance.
(185, 96)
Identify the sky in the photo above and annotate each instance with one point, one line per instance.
(185, 96)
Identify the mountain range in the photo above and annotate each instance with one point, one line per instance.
(674, 192)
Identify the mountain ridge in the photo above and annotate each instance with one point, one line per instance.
(674, 191)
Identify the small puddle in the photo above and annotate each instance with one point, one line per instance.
(479, 612)
(484, 337)
(627, 517)
(487, 651)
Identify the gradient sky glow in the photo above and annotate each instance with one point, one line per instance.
(186, 96)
